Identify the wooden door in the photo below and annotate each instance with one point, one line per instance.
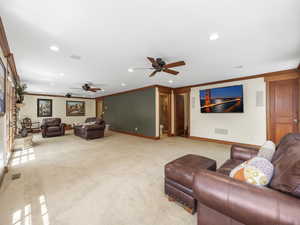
(179, 115)
(283, 108)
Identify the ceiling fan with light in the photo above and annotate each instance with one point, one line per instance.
(159, 65)
(88, 87)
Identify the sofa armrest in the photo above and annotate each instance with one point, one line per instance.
(246, 203)
(240, 152)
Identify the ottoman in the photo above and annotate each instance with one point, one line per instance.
(179, 175)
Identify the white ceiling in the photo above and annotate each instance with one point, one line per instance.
(114, 35)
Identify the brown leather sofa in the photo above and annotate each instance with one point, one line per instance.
(223, 200)
(52, 127)
(91, 131)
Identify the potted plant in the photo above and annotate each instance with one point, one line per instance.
(20, 91)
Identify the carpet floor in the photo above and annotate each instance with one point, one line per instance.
(116, 180)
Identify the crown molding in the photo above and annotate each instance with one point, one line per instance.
(56, 96)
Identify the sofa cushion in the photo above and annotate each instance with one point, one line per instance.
(54, 129)
(286, 163)
(257, 171)
(229, 165)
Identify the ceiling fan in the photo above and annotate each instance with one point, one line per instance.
(88, 87)
(159, 65)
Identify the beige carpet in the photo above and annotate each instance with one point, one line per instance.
(117, 180)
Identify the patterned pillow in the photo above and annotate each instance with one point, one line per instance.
(257, 171)
(267, 150)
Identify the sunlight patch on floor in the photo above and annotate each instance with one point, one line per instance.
(23, 156)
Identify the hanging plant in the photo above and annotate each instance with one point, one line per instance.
(20, 91)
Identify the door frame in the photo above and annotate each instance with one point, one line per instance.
(268, 80)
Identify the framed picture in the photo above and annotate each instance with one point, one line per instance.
(2, 87)
(75, 108)
(44, 107)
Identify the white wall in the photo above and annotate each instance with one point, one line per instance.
(248, 127)
(58, 109)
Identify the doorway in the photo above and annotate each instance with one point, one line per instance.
(182, 114)
(165, 114)
(283, 102)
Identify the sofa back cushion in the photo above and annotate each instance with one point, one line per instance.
(286, 161)
(95, 120)
(52, 122)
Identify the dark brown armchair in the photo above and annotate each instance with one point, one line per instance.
(91, 131)
(52, 127)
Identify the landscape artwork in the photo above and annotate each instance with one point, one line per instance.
(44, 107)
(2, 88)
(75, 108)
(222, 100)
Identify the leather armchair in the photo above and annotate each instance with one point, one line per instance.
(92, 131)
(52, 127)
(223, 200)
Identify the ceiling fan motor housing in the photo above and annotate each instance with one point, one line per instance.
(159, 64)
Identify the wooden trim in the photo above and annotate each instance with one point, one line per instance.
(135, 134)
(182, 90)
(244, 78)
(6, 52)
(59, 96)
(268, 111)
(287, 76)
(165, 90)
(222, 141)
(3, 40)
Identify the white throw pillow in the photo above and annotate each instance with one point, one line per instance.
(257, 171)
(267, 150)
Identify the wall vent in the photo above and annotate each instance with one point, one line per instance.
(221, 131)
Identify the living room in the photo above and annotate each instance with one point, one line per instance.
(110, 114)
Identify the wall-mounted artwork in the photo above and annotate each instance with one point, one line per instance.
(2, 88)
(75, 108)
(44, 107)
(222, 100)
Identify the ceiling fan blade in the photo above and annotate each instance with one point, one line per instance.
(153, 73)
(152, 60)
(171, 71)
(94, 89)
(170, 65)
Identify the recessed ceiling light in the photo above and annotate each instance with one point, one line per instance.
(62, 74)
(130, 70)
(123, 84)
(54, 48)
(170, 81)
(213, 36)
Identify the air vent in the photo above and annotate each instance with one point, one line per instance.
(77, 57)
(15, 176)
(221, 131)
